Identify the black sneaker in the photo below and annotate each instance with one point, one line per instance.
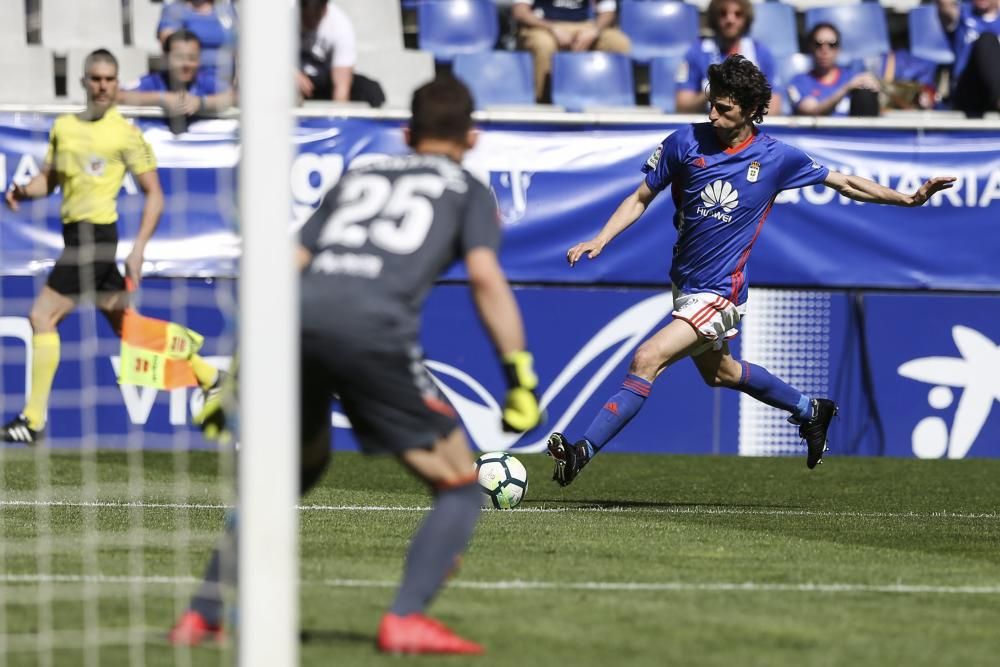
(570, 459)
(17, 430)
(814, 430)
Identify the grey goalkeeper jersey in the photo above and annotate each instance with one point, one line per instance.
(381, 238)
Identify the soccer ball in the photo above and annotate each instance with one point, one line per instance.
(502, 479)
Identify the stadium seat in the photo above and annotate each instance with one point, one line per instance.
(806, 5)
(132, 64)
(449, 27)
(792, 65)
(863, 29)
(378, 24)
(774, 25)
(29, 75)
(663, 83)
(700, 5)
(658, 27)
(927, 38)
(85, 24)
(399, 72)
(13, 27)
(145, 16)
(594, 78)
(900, 6)
(497, 77)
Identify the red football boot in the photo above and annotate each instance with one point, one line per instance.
(416, 633)
(192, 630)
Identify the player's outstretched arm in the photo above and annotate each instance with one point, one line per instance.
(501, 316)
(864, 190)
(631, 208)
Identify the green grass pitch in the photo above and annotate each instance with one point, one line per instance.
(645, 560)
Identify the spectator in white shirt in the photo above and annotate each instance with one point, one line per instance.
(327, 52)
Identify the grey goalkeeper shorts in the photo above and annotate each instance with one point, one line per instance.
(386, 393)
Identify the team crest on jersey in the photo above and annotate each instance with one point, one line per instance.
(654, 159)
(699, 162)
(95, 166)
(753, 171)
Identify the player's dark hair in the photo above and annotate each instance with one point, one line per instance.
(811, 37)
(99, 56)
(441, 109)
(313, 4)
(181, 35)
(712, 14)
(738, 78)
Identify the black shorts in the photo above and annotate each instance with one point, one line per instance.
(388, 395)
(87, 264)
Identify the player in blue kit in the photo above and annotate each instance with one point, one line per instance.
(724, 176)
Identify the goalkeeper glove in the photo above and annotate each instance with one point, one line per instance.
(521, 411)
(212, 419)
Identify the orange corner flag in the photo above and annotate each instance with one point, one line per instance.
(156, 353)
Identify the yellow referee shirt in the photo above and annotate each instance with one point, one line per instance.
(88, 159)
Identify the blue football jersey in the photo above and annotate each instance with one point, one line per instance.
(722, 197)
(807, 84)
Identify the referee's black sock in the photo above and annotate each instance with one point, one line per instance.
(438, 543)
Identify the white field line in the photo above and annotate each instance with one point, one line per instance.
(741, 511)
(519, 585)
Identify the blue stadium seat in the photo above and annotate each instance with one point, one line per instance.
(658, 27)
(449, 27)
(774, 25)
(927, 38)
(792, 65)
(663, 83)
(497, 77)
(592, 79)
(863, 29)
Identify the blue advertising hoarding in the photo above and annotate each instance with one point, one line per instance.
(911, 372)
(556, 186)
(901, 394)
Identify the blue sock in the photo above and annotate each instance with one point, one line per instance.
(766, 388)
(617, 411)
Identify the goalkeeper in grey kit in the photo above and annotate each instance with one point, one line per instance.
(370, 255)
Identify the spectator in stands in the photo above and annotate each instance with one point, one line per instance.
(327, 56)
(730, 21)
(213, 23)
(547, 26)
(907, 82)
(182, 88)
(828, 89)
(973, 30)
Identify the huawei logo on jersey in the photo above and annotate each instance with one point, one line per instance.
(719, 195)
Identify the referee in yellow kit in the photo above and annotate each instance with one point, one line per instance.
(88, 155)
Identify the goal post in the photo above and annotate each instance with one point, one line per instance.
(268, 476)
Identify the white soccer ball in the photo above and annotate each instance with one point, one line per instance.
(502, 479)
